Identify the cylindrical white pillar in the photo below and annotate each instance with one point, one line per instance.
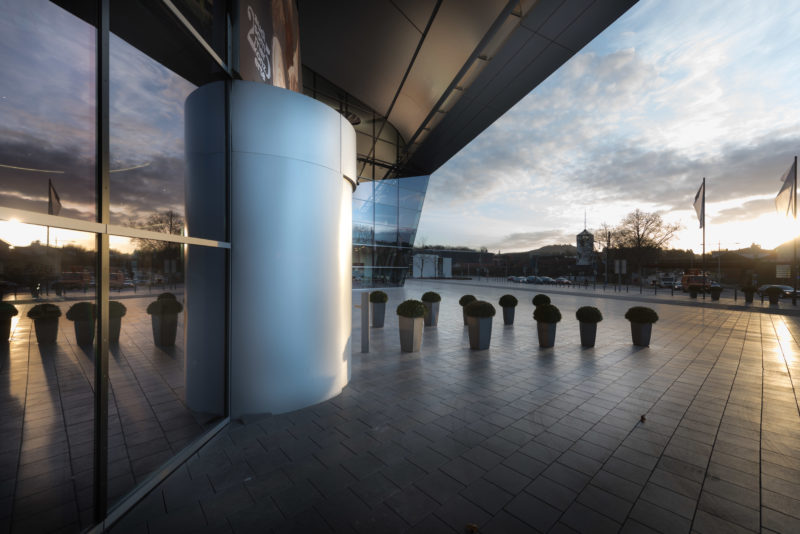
(292, 162)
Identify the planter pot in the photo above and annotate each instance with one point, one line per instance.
(46, 330)
(715, 293)
(464, 313)
(84, 332)
(774, 299)
(748, 297)
(114, 326)
(508, 315)
(693, 293)
(378, 314)
(588, 333)
(432, 313)
(480, 332)
(165, 328)
(547, 334)
(410, 333)
(640, 333)
(5, 330)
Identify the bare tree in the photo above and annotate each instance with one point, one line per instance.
(644, 234)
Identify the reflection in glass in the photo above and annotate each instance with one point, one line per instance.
(46, 388)
(363, 233)
(411, 199)
(385, 235)
(386, 192)
(47, 110)
(362, 255)
(409, 218)
(385, 215)
(363, 211)
(363, 191)
(166, 372)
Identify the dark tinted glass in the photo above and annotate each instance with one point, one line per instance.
(386, 256)
(385, 235)
(362, 255)
(47, 110)
(363, 233)
(47, 377)
(405, 236)
(166, 371)
(414, 183)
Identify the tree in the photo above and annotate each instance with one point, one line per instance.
(167, 222)
(644, 234)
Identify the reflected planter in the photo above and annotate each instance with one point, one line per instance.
(114, 327)
(378, 314)
(5, 330)
(410, 333)
(84, 332)
(431, 313)
(464, 313)
(46, 330)
(547, 334)
(715, 293)
(165, 329)
(640, 334)
(480, 332)
(508, 315)
(588, 333)
(748, 297)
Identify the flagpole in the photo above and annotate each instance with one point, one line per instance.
(703, 211)
(794, 214)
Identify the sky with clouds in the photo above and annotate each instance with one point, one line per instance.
(670, 93)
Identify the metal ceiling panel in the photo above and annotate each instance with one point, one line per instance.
(417, 11)
(565, 15)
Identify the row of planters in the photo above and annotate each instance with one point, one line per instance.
(773, 293)
(163, 311)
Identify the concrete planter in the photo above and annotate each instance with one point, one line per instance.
(114, 327)
(464, 313)
(84, 332)
(588, 333)
(46, 330)
(378, 314)
(165, 328)
(774, 299)
(410, 333)
(547, 334)
(480, 332)
(508, 314)
(5, 329)
(748, 297)
(432, 313)
(715, 293)
(640, 333)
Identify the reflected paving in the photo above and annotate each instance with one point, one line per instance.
(46, 398)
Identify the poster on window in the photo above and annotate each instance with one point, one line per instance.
(269, 43)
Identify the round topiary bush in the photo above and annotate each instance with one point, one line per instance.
(431, 296)
(773, 291)
(44, 311)
(82, 311)
(7, 310)
(466, 299)
(116, 309)
(163, 296)
(546, 313)
(378, 297)
(508, 301)
(540, 299)
(165, 306)
(641, 314)
(588, 314)
(479, 308)
(411, 308)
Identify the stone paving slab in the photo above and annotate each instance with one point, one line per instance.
(697, 433)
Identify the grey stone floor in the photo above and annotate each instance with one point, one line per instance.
(518, 438)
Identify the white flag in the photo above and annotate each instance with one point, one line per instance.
(784, 202)
(53, 202)
(700, 203)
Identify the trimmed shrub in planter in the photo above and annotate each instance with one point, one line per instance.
(83, 315)
(509, 304)
(431, 301)
(466, 299)
(715, 291)
(45, 322)
(546, 317)
(540, 299)
(774, 294)
(7, 311)
(479, 321)
(116, 311)
(642, 319)
(694, 290)
(749, 291)
(411, 314)
(378, 300)
(588, 317)
(164, 317)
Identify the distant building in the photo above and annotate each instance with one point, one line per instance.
(585, 246)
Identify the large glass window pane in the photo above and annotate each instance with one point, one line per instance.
(47, 377)
(386, 256)
(363, 191)
(151, 183)
(411, 199)
(385, 214)
(409, 218)
(385, 235)
(385, 276)
(362, 211)
(386, 192)
(414, 183)
(405, 236)
(363, 233)
(362, 255)
(166, 369)
(47, 110)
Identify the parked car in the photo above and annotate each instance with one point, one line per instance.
(787, 290)
(534, 280)
(547, 280)
(563, 281)
(521, 279)
(512, 278)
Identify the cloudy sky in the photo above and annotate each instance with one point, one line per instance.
(670, 93)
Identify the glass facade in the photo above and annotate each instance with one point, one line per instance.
(385, 218)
